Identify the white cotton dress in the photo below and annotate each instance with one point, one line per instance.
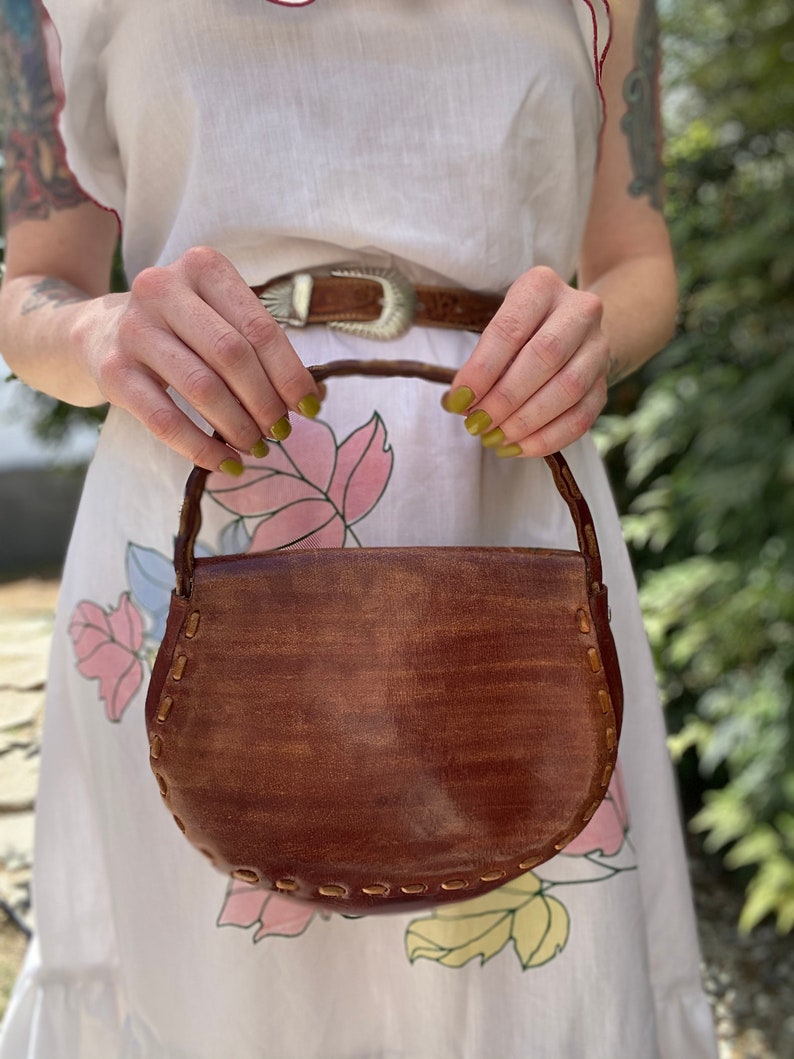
(455, 140)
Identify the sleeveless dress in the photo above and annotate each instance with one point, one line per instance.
(455, 140)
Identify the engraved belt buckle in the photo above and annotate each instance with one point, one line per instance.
(289, 299)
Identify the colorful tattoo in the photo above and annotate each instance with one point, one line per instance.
(52, 292)
(641, 121)
(36, 179)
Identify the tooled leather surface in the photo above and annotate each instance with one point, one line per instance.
(342, 719)
(352, 298)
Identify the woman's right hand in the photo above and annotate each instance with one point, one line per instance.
(195, 327)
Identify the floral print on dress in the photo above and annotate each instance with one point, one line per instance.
(523, 913)
(310, 492)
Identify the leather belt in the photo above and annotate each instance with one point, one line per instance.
(372, 302)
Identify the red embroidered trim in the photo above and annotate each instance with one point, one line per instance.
(599, 53)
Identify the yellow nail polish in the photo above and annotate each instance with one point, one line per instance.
(477, 422)
(261, 449)
(309, 406)
(282, 429)
(232, 467)
(506, 451)
(493, 439)
(457, 401)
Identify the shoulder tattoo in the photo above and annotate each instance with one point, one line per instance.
(36, 179)
(640, 123)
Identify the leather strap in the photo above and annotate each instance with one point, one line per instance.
(353, 298)
(190, 522)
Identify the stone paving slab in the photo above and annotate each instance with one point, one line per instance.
(20, 707)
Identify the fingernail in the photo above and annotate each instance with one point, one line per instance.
(309, 406)
(457, 401)
(506, 451)
(477, 422)
(260, 450)
(282, 429)
(232, 467)
(493, 439)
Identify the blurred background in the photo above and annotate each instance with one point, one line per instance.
(700, 446)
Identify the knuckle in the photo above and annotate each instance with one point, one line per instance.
(582, 418)
(198, 259)
(550, 349)
(112, 372)
(504, 395)
(150, 284)
(200, 386)
(591, 306)
(260, 329)
(574, 384)
(545, 274)
(509, 326)
(164, 422)
(228, 349)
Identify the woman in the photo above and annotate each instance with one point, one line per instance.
(482, 146)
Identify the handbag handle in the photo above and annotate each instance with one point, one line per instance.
(190, 520)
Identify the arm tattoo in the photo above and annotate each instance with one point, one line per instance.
(641, 121)
(36, 179)
(53, 292)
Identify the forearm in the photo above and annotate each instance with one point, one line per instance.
(45, 324)
(639, 298)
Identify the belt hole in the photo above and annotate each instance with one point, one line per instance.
(454, 884)
(493, 876)
(180, 825)
(156, 747)
(611, 738)
(582, 622)
(607, 776)
(606, 702)
(592, 656)
(161, 784)
(192, 624)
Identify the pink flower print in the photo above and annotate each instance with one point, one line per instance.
(310, 491)
(107, 644)
(363, 467)
(607, 830)
(275, 914)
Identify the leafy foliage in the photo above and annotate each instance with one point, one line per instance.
(707, 454)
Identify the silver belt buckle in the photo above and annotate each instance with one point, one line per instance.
(288, 302)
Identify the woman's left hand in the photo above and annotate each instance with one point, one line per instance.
(537, 379)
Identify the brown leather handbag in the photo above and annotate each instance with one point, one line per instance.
(384, 729)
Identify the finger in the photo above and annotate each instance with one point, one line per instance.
(551, 354)
(219, 284)
(172, 363)
(583, 372)
(527, 304)
(146, 399)
(555, 434)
